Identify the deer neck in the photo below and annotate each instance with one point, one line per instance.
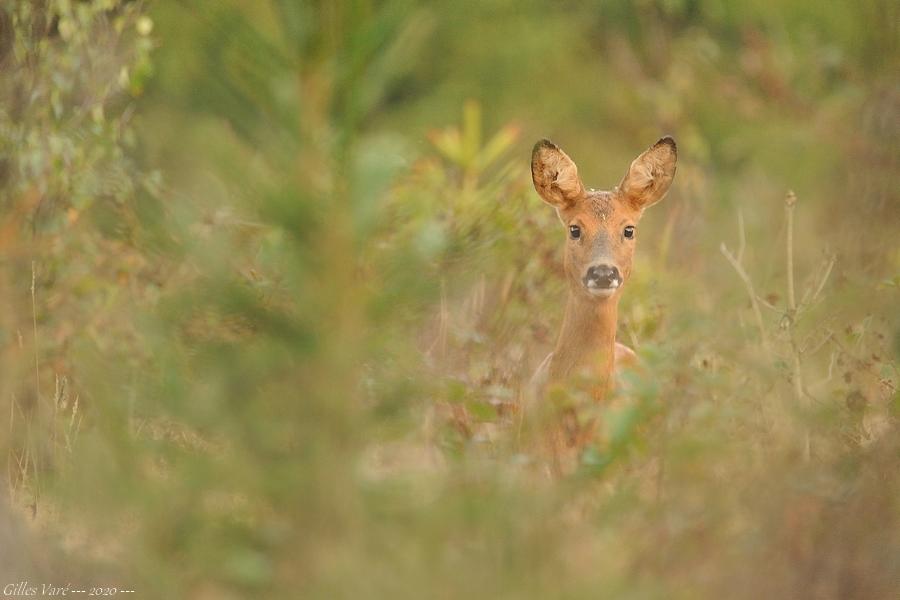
(587, 341)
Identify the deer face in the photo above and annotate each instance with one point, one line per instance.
(601, 227)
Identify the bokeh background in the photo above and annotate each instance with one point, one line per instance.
(273, 276)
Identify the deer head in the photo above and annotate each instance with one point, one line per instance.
(601, 226)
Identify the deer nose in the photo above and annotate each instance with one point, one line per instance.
(602, 277)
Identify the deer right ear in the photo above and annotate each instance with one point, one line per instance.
(555, 175)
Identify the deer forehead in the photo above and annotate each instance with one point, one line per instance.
(599, 207)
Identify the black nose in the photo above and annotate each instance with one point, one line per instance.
(602, 276)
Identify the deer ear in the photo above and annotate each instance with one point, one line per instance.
(650, 174)
(555, 175)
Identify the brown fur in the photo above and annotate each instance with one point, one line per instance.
(587, 340)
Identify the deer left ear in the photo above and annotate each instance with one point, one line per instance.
(650, 175)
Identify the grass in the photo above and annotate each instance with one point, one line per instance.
(282, 269)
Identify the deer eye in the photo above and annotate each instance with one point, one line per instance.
(629, 231)
(574, 232)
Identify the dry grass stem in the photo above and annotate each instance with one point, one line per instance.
(748, 283)
(790, 203)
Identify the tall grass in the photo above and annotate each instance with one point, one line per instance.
(281, 265)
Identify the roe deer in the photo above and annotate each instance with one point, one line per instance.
(600, 230)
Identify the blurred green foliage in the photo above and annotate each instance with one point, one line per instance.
(274, 277)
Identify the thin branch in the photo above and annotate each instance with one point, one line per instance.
(824, 279)
(769, 305)
(748, 283)
(37, 384)
(813, 291)
(37, 377)
(817, 347)
(790, 203)
(831, 362)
